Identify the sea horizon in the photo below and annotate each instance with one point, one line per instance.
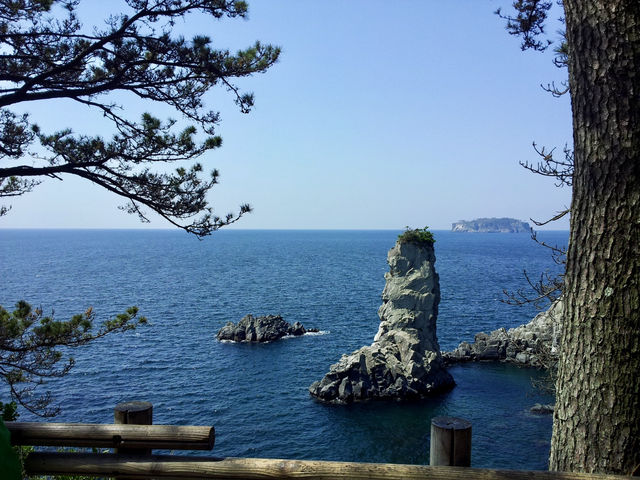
(231, 229)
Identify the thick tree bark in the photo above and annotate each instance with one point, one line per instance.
(597, 419)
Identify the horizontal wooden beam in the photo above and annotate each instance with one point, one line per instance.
(163, 437)
(174, 467)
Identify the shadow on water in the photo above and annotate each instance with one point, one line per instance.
(496, 398)
(395, 432)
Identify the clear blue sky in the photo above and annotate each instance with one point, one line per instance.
(378, 115)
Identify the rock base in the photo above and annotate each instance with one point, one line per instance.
(376, 372)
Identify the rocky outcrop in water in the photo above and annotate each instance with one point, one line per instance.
(491, 225)
(542, 409)
(533, 344)
(404, 361)
(260, 329)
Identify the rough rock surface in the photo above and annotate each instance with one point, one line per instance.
(404, 360)
(260, 329)
(532, 344)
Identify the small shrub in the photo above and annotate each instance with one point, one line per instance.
(419, 236)
(9, 411)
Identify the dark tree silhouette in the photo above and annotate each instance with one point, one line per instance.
(47, 54)
(597, 416)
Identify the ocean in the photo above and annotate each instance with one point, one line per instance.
(256, 395)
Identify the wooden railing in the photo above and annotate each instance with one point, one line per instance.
(158, 437)
(133, 459)
(176, 467)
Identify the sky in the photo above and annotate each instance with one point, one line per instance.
(379, 115)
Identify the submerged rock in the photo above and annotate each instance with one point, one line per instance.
(404, 361)
(534, 344)
(260, 329)
(542, 409)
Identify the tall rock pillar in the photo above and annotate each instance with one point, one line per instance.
(404, 360)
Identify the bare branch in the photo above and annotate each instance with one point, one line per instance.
(549, 166)
(558, 216)
(555, 91)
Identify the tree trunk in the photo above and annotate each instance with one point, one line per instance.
(597, 419)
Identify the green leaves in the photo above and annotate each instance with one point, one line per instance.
(15, 134)
(418, 236)
(9, 461)
(31, 346)
(9, 411)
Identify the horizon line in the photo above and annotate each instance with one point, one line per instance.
(175, 229)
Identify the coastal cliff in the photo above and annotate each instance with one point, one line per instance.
(404, 360)
(534, 344)
(491, 225)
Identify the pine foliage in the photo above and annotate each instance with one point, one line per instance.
(418, 236)
(46, 53)
(32, 346)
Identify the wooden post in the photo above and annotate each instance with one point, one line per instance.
(450, 442)
(134, 413)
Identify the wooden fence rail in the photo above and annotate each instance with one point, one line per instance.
(133, 445)
(176, 467)
(160, 437)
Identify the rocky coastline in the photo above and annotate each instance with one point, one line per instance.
(261, 329)
(404, 360)
(534, 344)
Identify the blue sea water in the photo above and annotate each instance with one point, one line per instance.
(256, 395)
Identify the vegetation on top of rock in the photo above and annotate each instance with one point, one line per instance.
(418, 236)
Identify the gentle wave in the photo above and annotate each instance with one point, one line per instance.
(318, 333)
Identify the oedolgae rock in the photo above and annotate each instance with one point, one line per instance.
(404, 360)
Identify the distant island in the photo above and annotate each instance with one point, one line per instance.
(491, 225)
